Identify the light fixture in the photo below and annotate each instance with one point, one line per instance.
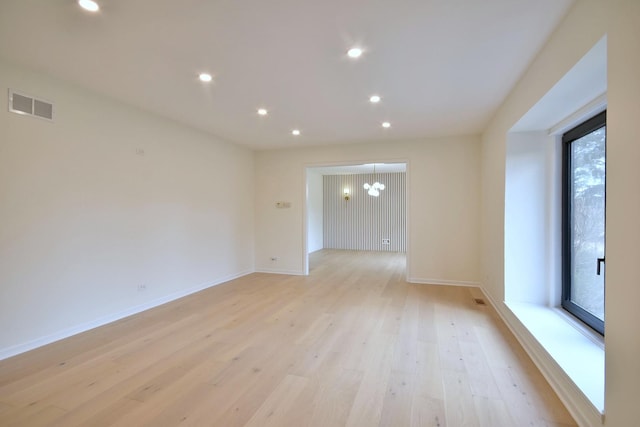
(262, 111)
(354, 52)
(374, 99)
(89, 5)
(295, 132)
(205, 77)
(346, 194)
(386, 125)
(375, 188)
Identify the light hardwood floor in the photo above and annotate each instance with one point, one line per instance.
(352, 344)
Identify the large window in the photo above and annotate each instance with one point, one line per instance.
(584, 174)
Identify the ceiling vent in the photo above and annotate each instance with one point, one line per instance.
(24, 104)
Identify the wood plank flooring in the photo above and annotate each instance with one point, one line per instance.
(352, 345)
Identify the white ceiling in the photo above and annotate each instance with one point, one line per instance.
(442, 67)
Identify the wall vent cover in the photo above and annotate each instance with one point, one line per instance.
(21, 103)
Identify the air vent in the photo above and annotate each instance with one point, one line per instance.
(24, 104)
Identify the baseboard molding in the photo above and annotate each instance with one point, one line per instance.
(578, 405)
(276, 271)
(101, 321)
(442, 282)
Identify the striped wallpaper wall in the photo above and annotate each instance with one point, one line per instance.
(364, 221)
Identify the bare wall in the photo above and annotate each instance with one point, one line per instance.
(443, 181)
(314, 211)
(85, 220)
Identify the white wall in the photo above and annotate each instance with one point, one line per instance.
(532, 209)
(623, 215)
(314, 210)
(587, 22)
(84, 220)
(443, 181)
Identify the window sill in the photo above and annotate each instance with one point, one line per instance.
(578, 351)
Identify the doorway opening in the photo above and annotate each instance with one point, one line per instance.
(342, 213)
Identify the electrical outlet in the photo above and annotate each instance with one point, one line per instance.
(386, 241)
(142, 287)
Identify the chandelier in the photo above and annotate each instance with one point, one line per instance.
(375, 188)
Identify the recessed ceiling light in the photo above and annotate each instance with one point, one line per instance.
(295, 132)
(386, 125)
(354, 52)
(89, 5)
(374, 99)
(262, 111)
(205, 77)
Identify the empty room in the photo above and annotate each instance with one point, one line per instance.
(319, 213)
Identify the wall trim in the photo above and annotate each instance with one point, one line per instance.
(578, 405)
(442, 282)
(277, 271)
(110, 318)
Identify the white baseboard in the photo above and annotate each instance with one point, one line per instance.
(442, 282)
(578, 405)
(276, 271)
(83, 327)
